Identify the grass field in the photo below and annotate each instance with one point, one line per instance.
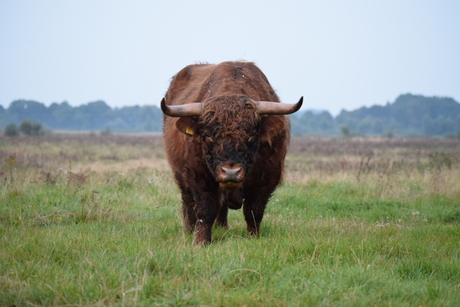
(88, 220)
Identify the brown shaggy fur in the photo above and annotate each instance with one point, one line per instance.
(228, 133)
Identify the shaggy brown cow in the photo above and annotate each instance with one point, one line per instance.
(225, 138)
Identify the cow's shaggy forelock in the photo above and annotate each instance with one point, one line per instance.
(230, 125)
(229, 111)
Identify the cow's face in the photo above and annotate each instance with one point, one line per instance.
(229, 129)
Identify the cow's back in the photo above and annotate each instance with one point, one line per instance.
(198, 82)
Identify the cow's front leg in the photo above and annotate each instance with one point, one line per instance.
(188, 210)
(207, 207)
(188, 203)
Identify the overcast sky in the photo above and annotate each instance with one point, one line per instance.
(337, 54)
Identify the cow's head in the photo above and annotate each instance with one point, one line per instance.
(230, 129)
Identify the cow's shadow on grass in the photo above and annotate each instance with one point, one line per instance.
(235, 231)
(230, 233)
(238, 232)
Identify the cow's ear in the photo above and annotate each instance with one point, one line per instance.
(273, 126)
(187, 125)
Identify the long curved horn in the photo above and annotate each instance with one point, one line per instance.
(182, 110)
(276, 108)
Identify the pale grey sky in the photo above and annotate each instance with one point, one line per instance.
(337, 54)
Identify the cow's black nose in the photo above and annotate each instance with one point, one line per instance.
(231, 174)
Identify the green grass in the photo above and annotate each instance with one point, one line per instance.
(115, 238)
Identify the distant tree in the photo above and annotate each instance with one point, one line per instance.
(11, 130)
(345, 131)
(106, 132)
(3, 119)
(325, 122)
(62, 116)
(389, 134)
(366, 125)
(37, 129)
(130, 116)
(408, 115)
(428, 125)
(26, 127)
(28, 109)
(148, 126)
(93, 115)
(151, 117)
(378, 126)
(307, 123)
(446, 125)
(30, 128)
(348, 119)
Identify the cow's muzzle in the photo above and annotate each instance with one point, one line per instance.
(230, 177)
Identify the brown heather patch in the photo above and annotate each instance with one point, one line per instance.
(125, 166)
(335, 155)
(331, 146)
(77, 152)
(386, 166)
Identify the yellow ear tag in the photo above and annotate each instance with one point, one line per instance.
(189, 130)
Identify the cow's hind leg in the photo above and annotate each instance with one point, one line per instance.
(254, 208)
(232, 200)
(221, 219)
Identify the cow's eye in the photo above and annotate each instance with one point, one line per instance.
(207, 137)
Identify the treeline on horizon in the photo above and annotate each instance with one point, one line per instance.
(408, 115)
